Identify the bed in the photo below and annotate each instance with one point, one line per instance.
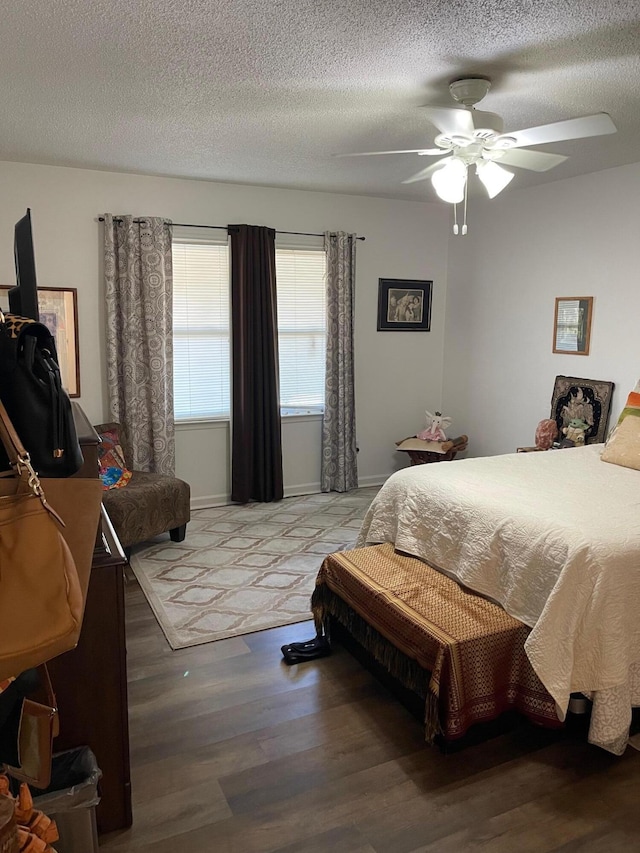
(554, 539)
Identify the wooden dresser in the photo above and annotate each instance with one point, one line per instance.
(91, 681)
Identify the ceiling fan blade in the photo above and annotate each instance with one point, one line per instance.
(407, 151)
(450, 119)
(572, 128)
(536, 161)
(426, 173)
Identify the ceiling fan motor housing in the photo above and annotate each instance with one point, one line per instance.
(469, 90)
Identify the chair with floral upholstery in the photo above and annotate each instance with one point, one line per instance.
(140, 505)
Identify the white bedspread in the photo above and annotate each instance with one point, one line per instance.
(555, 539)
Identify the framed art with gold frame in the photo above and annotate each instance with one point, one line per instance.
(58, 307)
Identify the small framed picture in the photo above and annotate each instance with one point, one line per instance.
(404, 305)
(572, 324)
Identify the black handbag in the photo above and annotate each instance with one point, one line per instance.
(32, 393)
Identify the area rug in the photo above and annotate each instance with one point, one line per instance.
(245, 568)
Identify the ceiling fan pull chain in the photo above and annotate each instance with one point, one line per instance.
(455, 218)
(464, 221)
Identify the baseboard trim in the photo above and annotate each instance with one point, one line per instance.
(302, 489)
(210, 501)
(375, 480)
(314, 488)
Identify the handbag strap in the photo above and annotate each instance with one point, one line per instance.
(21, 461)
(11, 439)
(48, 692)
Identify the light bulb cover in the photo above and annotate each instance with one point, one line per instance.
(494, 177)
(449, 182)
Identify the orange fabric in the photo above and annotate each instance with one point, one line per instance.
(36, 831)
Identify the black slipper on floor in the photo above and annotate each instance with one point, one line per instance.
(316, 643)
(318, 647)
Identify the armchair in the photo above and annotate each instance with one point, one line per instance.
(149, 504)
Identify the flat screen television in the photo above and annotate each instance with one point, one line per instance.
(23, 298)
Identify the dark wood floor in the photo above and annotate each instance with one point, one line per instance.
(234, 752)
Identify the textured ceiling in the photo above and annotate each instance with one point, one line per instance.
(264, 93)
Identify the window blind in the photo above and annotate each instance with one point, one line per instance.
(201, 361)
(301, 287)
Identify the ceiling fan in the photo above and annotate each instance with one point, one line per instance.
(470, 137)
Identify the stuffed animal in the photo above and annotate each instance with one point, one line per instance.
(575, 430)
(546, 434)
(436, 426)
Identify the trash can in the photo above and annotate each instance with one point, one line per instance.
(71, 800)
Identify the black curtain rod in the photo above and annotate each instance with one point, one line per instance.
(226, 228)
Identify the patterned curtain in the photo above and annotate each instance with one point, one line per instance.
(339, 464)
(138, 277)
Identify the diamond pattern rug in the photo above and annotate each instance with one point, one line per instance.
(245, 568)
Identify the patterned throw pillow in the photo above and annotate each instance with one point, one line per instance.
(113, 470)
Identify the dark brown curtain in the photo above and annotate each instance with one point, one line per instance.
(256, 441)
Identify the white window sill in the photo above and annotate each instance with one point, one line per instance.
(223, 423)
(306, 416)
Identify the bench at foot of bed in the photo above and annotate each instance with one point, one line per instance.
(463, 654)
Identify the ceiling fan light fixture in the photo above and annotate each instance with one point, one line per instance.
(494, 177)
(470, 137)
(449, 182)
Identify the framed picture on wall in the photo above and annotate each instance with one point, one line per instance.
(58, 307)
(572, 325)
(404, 305)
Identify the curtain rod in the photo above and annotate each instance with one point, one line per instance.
(226, 228)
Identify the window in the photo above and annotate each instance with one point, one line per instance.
(201, 335)
(201, 363)
(301, 285)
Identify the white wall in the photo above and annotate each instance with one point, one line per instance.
(579, 237)
(398, 375)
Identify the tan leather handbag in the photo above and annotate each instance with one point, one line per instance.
(46, 547)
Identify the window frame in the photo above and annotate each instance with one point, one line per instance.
(303, 243)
